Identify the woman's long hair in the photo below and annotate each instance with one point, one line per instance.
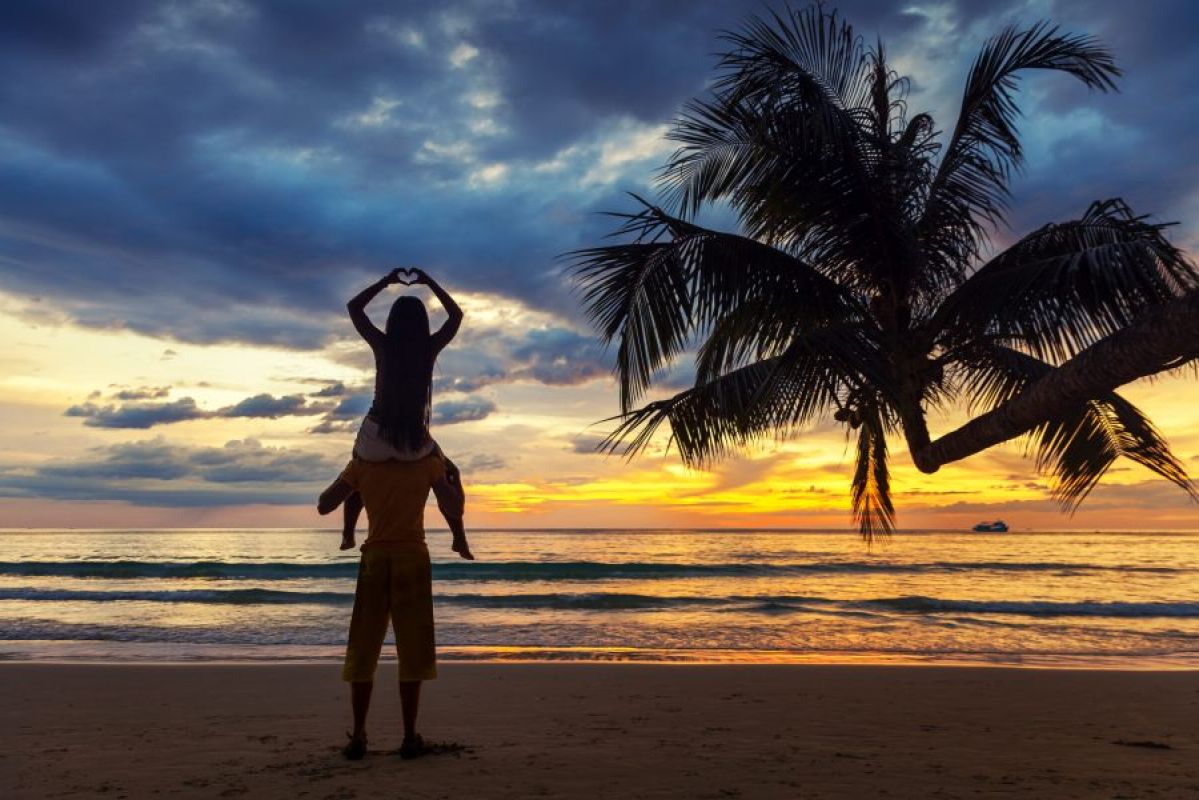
(406, 375)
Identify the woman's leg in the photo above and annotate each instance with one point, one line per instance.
(351, 509)
(451, 501)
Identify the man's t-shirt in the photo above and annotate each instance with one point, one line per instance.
(394, 493)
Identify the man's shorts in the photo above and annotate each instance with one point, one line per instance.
(395, 583)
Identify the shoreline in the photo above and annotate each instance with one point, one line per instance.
(619, 664)
(611, 730)
(158, 654)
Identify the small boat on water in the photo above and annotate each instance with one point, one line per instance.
(998, 526)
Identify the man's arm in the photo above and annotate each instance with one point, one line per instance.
(334, 496)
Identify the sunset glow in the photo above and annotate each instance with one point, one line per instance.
(181, 357)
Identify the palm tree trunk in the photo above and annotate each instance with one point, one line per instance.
(1165, 338)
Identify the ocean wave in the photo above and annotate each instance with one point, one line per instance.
(218, 596)
(550, 601)
(1037, 608)
(529, 570)
(38, 639)
(617, 601)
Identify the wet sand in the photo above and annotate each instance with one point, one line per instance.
(602, 730)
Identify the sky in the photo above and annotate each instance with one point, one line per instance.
(193, 189)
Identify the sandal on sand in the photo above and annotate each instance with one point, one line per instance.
(355, 749)
(413, 747)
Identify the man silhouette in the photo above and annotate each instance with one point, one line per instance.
(394, 581)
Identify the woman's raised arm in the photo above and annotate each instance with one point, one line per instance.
(357, 308)
(448, 330)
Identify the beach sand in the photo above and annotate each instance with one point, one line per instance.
(602, 730)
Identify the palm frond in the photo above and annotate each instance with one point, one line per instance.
(1077, 448)
(771, 397)
(970, 190)
(675, 279)
(873, 510)
(1064, 287)
(748, 154)
(810, 55)
(788, 138)
(851, 287)
(755, 330)
(773, 323)
(706, 422)
(795, 181)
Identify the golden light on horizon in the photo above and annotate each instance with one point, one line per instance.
(545, 479)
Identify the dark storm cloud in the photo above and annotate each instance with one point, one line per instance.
(220, 170)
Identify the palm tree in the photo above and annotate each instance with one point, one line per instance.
(861, 285)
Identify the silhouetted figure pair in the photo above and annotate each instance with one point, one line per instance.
(395, 464)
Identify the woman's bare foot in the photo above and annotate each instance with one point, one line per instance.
(347, 541)
(462, 548)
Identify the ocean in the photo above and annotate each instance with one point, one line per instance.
(1118, 600)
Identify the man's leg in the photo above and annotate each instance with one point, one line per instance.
(412, 617)
(360, 701)
(410, 705)
(368, 628)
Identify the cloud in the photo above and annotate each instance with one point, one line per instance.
(139, 414)
(1150, 496)
(334, 426)
(483, 462)
(492, 354)
(347, 414)
(155, 460)
(158, 473)
(587, 444)
(559, 357)
(140, 393)
(266, 406)
(469, 409)
(227, 183)
(333, 389)
(239, 461)
(222, 188)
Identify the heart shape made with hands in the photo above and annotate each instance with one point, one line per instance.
(407, 277)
